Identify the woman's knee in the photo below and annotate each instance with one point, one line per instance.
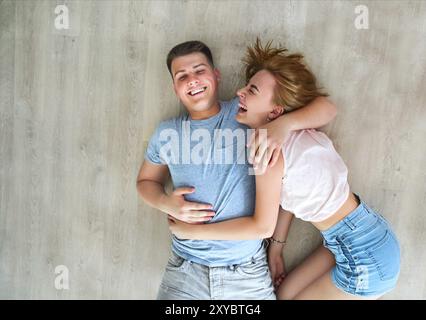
(286, 291)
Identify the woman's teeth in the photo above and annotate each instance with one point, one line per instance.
(242, 108)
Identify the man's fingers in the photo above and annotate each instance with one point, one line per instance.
(198, 219)
(197, 206)
(200, 214)
(183, 190)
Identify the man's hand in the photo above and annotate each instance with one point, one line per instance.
(276, 265)
(190, 212)
(265, 145)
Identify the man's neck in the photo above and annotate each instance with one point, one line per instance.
(202, 115)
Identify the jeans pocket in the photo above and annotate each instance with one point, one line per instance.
(342, 260)
(174, 278)
(254, 268)
(175, 263)
(385, 254)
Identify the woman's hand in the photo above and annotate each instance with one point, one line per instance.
(276, 265)
(266, 142)
(317, 113)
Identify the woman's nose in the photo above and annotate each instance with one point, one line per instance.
(240, 93)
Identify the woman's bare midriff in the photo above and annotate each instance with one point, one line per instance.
(350, 205)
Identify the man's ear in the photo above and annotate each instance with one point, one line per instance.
(217, 73)
(276, 112)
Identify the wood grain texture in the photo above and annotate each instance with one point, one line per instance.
(78, 106)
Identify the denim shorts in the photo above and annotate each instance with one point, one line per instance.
(187, 280)
(367, 253)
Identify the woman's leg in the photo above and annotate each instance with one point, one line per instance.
(324, 289)
(311, 280)
(321, 261)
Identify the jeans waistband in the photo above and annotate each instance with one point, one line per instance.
(351, 220)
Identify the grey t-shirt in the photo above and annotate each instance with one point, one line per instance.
(209, 155)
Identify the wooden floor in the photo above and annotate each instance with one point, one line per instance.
(78, 105)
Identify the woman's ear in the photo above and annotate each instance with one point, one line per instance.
(276, 112)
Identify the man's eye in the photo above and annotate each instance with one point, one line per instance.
(200, 71)
(251, 91)
(182, 78)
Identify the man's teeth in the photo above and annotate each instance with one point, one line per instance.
(194, 92)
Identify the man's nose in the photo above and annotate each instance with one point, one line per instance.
(192, 82)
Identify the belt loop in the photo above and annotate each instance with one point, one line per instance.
(349, 224)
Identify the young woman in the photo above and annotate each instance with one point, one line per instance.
(360, 257)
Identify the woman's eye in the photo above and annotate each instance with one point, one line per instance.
(251, 91)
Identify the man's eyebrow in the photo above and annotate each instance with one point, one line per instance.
(199, 65)
(178, 72)
(194, 67)
(254, 87)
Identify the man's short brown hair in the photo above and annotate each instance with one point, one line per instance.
(186, 48)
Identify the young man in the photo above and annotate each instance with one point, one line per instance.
(210, 190)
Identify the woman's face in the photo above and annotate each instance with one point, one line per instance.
(256, 100)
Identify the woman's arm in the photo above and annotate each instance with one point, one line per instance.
(259, 226)
(275, 249)
(316, 114)
(283, 225)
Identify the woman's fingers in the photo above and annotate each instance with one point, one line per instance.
(252, 153)
(263, 148)
(252, 138)
(268, 155)
(261, 167)
(260, 140)
(275, 156)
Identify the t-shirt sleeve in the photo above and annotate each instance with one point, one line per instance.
(233, 107)
(152, 153)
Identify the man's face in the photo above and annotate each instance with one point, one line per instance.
(195, 82)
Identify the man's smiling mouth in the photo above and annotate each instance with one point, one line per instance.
(194, 92)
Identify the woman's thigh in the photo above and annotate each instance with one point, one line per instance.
(323, 288)
(314, 266)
